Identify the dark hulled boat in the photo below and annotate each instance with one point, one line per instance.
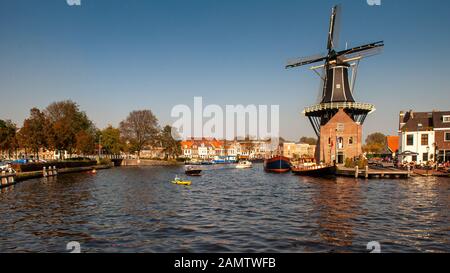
(191, 171)
(277, 164)
(316, 170)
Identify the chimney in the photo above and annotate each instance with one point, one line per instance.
(401, 120)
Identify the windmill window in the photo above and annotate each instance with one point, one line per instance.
(350, 140)
(338, 86)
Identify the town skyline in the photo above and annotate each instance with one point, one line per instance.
(172, 55)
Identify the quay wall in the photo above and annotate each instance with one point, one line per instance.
(148, 162)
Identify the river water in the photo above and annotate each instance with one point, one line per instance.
(137, 209)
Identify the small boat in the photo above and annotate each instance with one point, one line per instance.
(277, 164)
(191, 171)
(315, 170)
(244, 165)
(207, 163)
(182, 182)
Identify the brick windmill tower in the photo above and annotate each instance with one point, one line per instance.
(337, 118)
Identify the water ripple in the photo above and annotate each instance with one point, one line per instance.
(226, 210)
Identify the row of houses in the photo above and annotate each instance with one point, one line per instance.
(294, 150)
(424, 136)
(205, 149)
(211, 148)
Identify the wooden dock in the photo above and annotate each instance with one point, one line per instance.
(7, 179)
(369, 173)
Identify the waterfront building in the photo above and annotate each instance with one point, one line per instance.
(338, 118)
(207, 149)
(424, 136)
(150, 152)
(298, 150)
(340, 138)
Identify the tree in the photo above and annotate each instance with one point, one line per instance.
(33, 133)
(171, 147)
(8, 137)
(308, 140)
(85, 142)
(140, 128)
(375, 143)
(66, 122)
(111, 141)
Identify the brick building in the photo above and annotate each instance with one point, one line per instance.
(341, 138)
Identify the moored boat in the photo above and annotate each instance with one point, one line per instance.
(193, 171)
(315, 170)
(244, 165)
(277, 164)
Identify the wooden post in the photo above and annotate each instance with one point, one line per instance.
(55, 172)
(367, 171)
(356, 172)
(3, 178)
(11, 177)
(44, 172)
(409, 171)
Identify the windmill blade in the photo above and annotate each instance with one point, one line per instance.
(333, 33)
(320, 93)
(363, 51)
(306, 60)
(362, 54)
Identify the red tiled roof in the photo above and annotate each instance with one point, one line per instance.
(393, 143)
(214, 143)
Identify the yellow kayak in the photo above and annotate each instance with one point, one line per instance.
(182, 182)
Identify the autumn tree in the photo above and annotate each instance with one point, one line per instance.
(308, 140)
(375, 143)
(8, 137)
(139, 129)
(66, 124)
(33, 134)
(111, 141)
(85, 141)
(171, 147)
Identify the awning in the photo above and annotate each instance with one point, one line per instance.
(407, 153)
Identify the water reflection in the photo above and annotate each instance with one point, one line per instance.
(139, 210)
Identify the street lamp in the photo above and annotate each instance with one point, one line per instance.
(428, 158)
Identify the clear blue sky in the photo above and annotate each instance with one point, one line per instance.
(114, 56)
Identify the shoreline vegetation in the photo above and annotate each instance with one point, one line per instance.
(62, 130)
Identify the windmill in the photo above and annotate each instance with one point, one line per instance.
(337, 88)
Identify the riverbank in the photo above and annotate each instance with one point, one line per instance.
(23, 176)
(149, 162)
